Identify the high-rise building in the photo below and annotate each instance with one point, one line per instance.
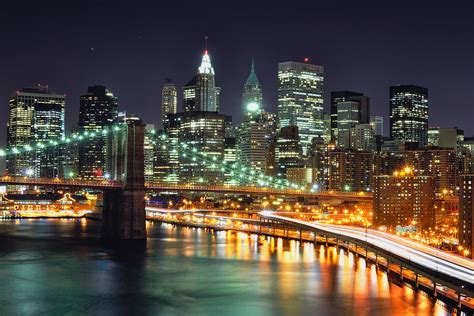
(258, 129)
(433, 136)
(169, 99)
(288, 153)
(189, 95)
(362, 138)
(230, 158)
(21, 125)
(319, 161)
(98, 109)
(201, 93)
(252, 97)
(300, 100)
(409, 114)
(255, 135)
(466, 214)
(48, 125)
(404, 199)
(346, 96)
(204, 133)
(348, 116)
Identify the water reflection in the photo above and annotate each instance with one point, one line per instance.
(57, 267)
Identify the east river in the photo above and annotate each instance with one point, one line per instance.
(61, 267)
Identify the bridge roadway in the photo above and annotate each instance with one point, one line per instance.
(151, 186)
(443, 267)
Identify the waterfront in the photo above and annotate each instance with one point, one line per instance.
(61, 266)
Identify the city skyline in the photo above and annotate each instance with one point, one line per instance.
(137, 83)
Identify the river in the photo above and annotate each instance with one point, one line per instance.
(61, 267)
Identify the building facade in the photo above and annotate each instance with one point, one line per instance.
(404, 199)
(169, 99)
(409, 114)
(466, 214)
(21, 126)
(98, 109)
(300, 100)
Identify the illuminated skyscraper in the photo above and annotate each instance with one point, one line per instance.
(409, 114)
(48, 125)
(204, 133)
(201, 93)
(21, 125)
(257, 130)
(300, 99)
(98, 109)
(169, 99)
(288, 153)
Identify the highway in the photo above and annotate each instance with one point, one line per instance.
(428, 257)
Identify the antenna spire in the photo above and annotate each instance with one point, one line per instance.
(205, 38)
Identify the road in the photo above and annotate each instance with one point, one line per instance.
(432, 258)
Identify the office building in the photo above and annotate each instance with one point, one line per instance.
(169, 99)
(200, 93)
(348, 96)
(409, 114)
(21, 125)
(300, 100)
(98, 109)
(288, 152)
(204, 133)
(48, 125)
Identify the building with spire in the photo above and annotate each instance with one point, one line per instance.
(201, 93)
(252, 93)
(257, 131)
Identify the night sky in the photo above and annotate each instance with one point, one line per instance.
(131, 46)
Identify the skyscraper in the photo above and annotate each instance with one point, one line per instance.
(300, 99)
(252, 93)
(258, 128)
(48, 125)
(21, 125)
(98, 109)
(409, 114)
(204, 132)
(288, 153)
(201, 93)
(169, 99)
(359, 114)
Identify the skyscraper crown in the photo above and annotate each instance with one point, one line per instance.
(252, 78)
(206, 67)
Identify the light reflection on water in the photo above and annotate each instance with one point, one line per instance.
(60, 266)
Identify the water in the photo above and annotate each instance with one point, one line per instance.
(61, 267)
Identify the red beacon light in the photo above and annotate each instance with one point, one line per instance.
(306, 59)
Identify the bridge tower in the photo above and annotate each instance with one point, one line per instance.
(123, 212)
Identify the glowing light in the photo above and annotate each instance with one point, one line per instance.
(253, 107)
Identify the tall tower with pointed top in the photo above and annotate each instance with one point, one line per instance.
(206, 92)
(252, 96)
